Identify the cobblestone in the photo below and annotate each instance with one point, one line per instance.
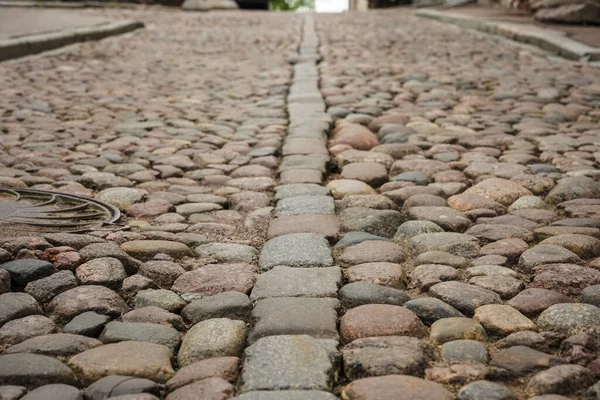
(311, 201)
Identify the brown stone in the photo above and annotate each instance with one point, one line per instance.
(206, 389)
(216, 278)
(521, 360)
(355, 135)
(457, 373)
(326, 225)
(568, 279)
(468, 201)
(511, 248)
(503, 320)
(226, 368)
(150, 208)
(371, 251)
(535, 300)
(373, 174)
(386, 274)
(395, 387)
(379, 320)
(86, 298)
(500, 190)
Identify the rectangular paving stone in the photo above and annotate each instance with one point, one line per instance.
(304, 146)
(299, 189)
(297, 282)
(304, 250)
(295, 316)
(326, 225)
(290, 363)
(305, 205)
(300, 176)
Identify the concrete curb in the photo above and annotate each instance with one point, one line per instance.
(34, 44)
(547, 39)
(67, 5)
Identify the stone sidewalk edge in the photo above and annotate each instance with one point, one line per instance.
(34, 44)
(546, 39)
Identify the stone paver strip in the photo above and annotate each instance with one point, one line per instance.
(316, 204)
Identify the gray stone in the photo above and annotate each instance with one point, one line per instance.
(377, 222)
(430, 309)
(216, 337)
(305, 205)
(570, 318)
(232, 305)
(296, 250)
(86, 298)
(28, 270)
(139, 359)
(351, 238)
(521, 360)
(414, 228)
(443, 258)
(524, 338)
(55, 345)
(87, 324)
(289, 363)
(57, 391)
(561, 379)
(390, 355)
(591, 295)
(32, 370)
(295, 316)
(573, 188)
(506, 286)
(163, 273)
(464, 351)
(426, 275)
(9, 392)
(450, 329)
(21, 329)
(162, 298)
(464, 297)
(121, 197)
(117, 385)
(449, 242)
(155, 315)
(285, 395)
(297, 190)
(282, 281)
(116, 331)
(495, 232)
(227, 253)
(99, 250)
(358, 293)
(485, 390)
(105, 271)
(145, 250)
(447, 218)
(17, 305)
(546, 254)
(45, 289)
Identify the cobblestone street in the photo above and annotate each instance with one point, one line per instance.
(365, 206)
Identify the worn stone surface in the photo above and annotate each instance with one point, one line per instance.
(33, 370)
(390, 355)
(289, 362)
(140, 359)
(403, 158)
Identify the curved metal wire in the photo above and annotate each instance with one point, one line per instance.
(53, 210)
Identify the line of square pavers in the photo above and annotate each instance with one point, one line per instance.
(293, 344)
